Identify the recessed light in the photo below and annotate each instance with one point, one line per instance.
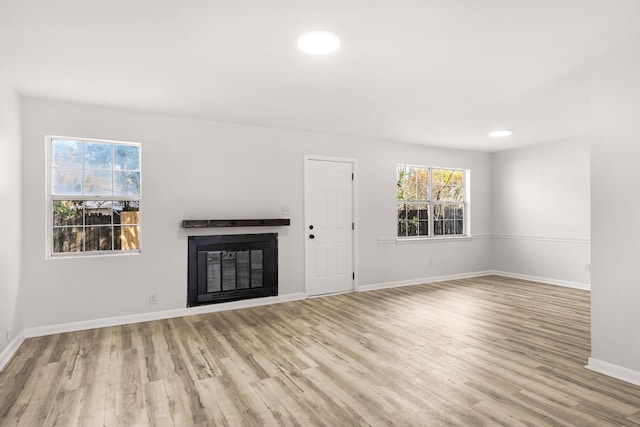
(500, 133)
(319, 42)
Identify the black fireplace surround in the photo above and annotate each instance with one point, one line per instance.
(232, 267)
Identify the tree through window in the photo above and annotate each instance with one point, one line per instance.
(431, 201)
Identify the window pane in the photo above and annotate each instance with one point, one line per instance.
(97, 213)
(438, 228)
(450, 193)
(437, 177)
(457, 178)
(66, 181)
(448, 185)
(98, 238)
(402, 212)
(66, 153)
(402, 182)
(98, 156)
(127, 157)
(411, 190)
(449, 212)
(67, 212)
(412, 228)
(413, 211)
(437, 192)
(446, 227)
(423, 212)
(127, 237)
(126, 212)
(449, 219)
(413, 220)
(423, 228)
(413, 183)
(407, 181)
(129, 218)
(422, 182)
(422, 219)
(450, 227)
(438, 212)
(67, 239)
(438, 216)
(453, 211)
(98, 182)
(127, 183)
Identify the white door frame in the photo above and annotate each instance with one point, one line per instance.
(354, 184)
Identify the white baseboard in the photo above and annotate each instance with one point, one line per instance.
(60, 328)
(10, 350)
(546, 280)
(614, 371)
(387, 285)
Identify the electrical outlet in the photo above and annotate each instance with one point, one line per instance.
(285, 211)
(153, 299)
(587, 267)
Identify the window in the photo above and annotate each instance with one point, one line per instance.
(431, 201)
(94, 195)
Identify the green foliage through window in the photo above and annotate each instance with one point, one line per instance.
(431, 201)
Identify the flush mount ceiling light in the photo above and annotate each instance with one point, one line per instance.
(319, 42)
(500, 133)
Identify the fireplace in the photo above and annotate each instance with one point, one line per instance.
(232, 267)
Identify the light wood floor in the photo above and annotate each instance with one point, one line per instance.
(486, 351)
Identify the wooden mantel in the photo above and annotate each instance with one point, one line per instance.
(209, 223)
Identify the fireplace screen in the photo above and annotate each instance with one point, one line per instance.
(229, 270)
(232, 267)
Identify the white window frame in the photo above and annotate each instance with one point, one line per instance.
(466, 218)
(50, 198)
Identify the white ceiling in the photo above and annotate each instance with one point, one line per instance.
(435, 72)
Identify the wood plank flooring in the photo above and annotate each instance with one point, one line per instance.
(485, 351)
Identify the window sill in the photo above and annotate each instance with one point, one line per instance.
(414, 240)
(85, 255)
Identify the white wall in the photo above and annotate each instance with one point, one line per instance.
(615, 175)
(387, 261)
(10, 213)
(195, 169)
(541, 212)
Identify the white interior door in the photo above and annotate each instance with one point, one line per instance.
(328, 226)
